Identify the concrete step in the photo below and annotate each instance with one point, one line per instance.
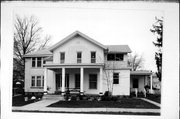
(51, 97)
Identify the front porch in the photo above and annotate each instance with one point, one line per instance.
(140, 79)
(80, 78)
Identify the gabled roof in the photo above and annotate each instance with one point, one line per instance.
(73, 35)
(141, 72)
(118, 48)
(44, 52)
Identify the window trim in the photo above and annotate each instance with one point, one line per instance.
(66, 80)
(93, 60)
(39, 61)
(35, 83)
(115, 78)
(36, 62)
(62, 61)
(79, 60)
(32, 62)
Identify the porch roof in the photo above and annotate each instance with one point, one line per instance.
(140, 72)
(74, 65)
(40, 53)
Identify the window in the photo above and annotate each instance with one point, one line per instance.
(119, 57)
(33, 81)
(37, 81)
(110, 57)
(44, 62)
(115, 57)
(135, 83)
(115, 78)
(39, 62)
(67, 80)
(33, 62)
(43, 81)
(62, 57)
(93, 57)
(77, 81)
(79, 57)
(93, 81)
(59, 81)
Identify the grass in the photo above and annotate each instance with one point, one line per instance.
(122, 103)
(155, 98)
(19, 101)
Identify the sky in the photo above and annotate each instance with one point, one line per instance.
(109, 26)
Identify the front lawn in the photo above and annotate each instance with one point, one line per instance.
(19, 101)
(155, 98)
(122, 103)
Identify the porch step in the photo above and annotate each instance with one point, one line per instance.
(52, 97)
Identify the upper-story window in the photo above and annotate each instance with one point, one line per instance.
(62, 57)
(115, 57)
(93, 57)
(37, 62)
(79, 56)
(33, 62)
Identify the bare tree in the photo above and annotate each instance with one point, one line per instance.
(109, 71)
(27, 38)
(136, 62)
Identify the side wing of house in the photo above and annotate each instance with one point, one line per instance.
(117, 72)
(34, 71)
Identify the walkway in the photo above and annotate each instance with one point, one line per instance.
(152, 102)
(41, 106)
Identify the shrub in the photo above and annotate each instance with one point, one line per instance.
(58, 92)
(106, 98)
(84, 98)
(107, 93)
(114, 98)
(81, 97)
(73, 98)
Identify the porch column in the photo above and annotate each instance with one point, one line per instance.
(151, 91)
(101, 81)
(45, 79)
(63, 81)
(82, 81)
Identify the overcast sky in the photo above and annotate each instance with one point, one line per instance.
(109, 26)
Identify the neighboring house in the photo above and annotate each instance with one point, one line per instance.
(156, 82)
(79, 62)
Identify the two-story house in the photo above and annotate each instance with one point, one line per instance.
(79, 62)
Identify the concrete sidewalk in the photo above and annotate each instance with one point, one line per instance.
(152, 102)
(41, 106)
